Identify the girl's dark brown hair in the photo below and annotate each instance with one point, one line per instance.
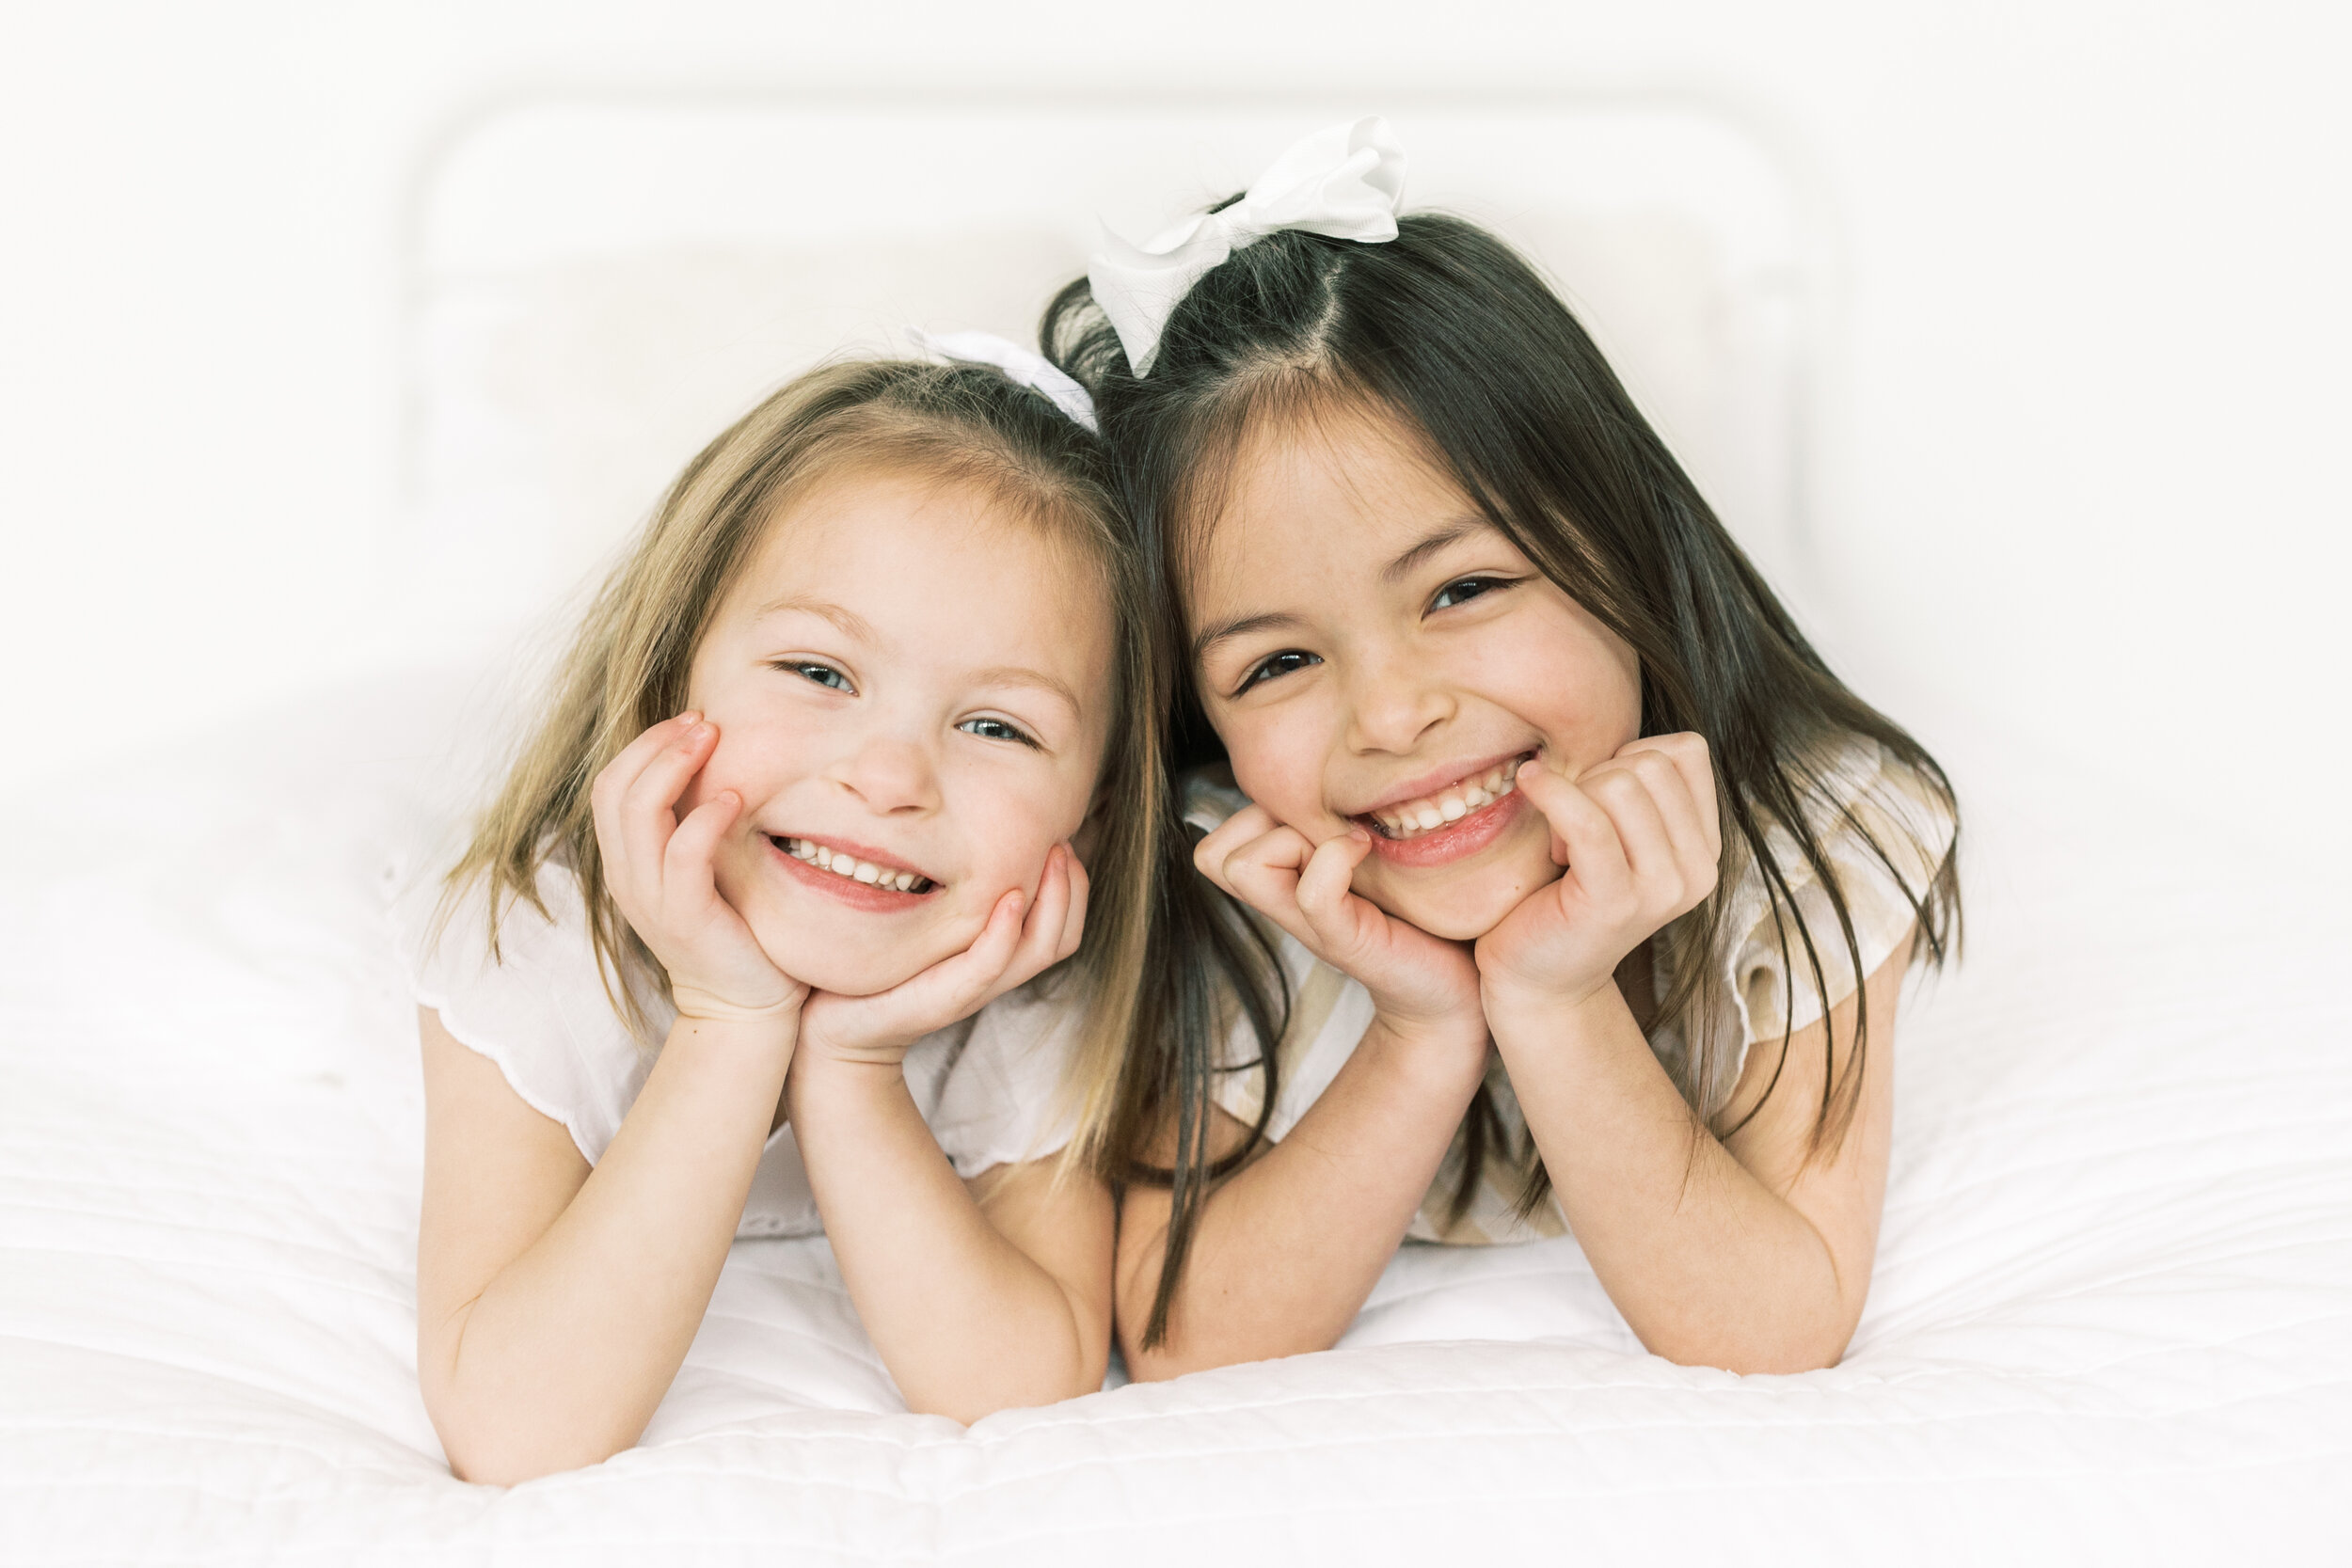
(1448, 331)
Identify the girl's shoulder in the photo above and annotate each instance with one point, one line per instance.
(1209, 796)
(527, 990)
(1882, 829)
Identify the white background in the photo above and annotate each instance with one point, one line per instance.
(2083, 404)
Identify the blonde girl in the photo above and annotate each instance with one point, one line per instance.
(1579, 889)
(847, 751)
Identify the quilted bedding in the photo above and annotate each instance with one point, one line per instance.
(2112, 1318)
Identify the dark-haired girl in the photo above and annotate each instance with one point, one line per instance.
(1579, 889)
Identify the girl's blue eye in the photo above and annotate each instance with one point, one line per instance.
(1463, 590)
(824, 675)
(998, 729)
(1275, 666)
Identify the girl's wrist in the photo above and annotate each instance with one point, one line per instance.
(1444, 1053)
(826, 1076)
(764, 1042)
(1525, 1017)
(692, 1000)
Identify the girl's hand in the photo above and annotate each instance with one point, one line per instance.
(660, 871)
(1418, 983)
(1010, 951)
(1640, 836)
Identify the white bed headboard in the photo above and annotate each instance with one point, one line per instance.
(598, 285)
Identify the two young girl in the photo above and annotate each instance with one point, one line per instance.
(1544, 878)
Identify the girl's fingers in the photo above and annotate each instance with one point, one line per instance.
(1665, 766)
(1670, 792)
(607, 794)
(669, 770)
(1595, 861)
(1244, 828)
(1265, 876)
(631, 759)
(1696, 765)
(1322, 891)
(1641, 829)
(644, 814)
(686, 859)
(1048, 917)
(1075, 917)
(954, 986)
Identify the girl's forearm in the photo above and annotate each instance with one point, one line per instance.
(1708, 1266)
(966, 1322)
(1289, 1248)
(562, 1357)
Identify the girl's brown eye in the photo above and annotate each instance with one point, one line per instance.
(1275, 665)
(1466, 589)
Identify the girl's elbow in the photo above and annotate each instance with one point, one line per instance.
(1798, 1347)
(1079, 1375)
(493, 1458)
(486, 1446)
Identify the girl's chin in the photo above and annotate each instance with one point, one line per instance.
(842, 976)
(1460, 906)
(828, 964)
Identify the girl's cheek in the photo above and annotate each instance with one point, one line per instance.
(1280, 774)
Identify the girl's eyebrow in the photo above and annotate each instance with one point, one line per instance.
(849, 621)
(1243, 625)
(1017, 675)
(1453, 533)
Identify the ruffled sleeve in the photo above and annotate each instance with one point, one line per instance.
(538, 1008)
(1868, 796)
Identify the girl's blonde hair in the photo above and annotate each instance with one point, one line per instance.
(627, 668)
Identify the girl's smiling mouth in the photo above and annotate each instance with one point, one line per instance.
(855, 875)
(1449, 823)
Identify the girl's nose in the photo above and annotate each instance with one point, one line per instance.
(1394, 703)
(890, 774)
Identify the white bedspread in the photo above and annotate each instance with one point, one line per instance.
(2112, 1319)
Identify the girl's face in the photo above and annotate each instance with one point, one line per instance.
(910, 690)
(1372, 652)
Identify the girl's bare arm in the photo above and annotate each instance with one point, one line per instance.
(555, 1303)
(1744, 1252)
(980, 1296)
(1286, 1251)
(1747, 1252)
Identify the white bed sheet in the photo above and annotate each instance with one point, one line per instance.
(2112, 1318)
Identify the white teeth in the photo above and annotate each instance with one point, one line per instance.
(1451, 805)
(853, 868)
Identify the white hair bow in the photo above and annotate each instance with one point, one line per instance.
(1033, 371)
(1345, 181)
